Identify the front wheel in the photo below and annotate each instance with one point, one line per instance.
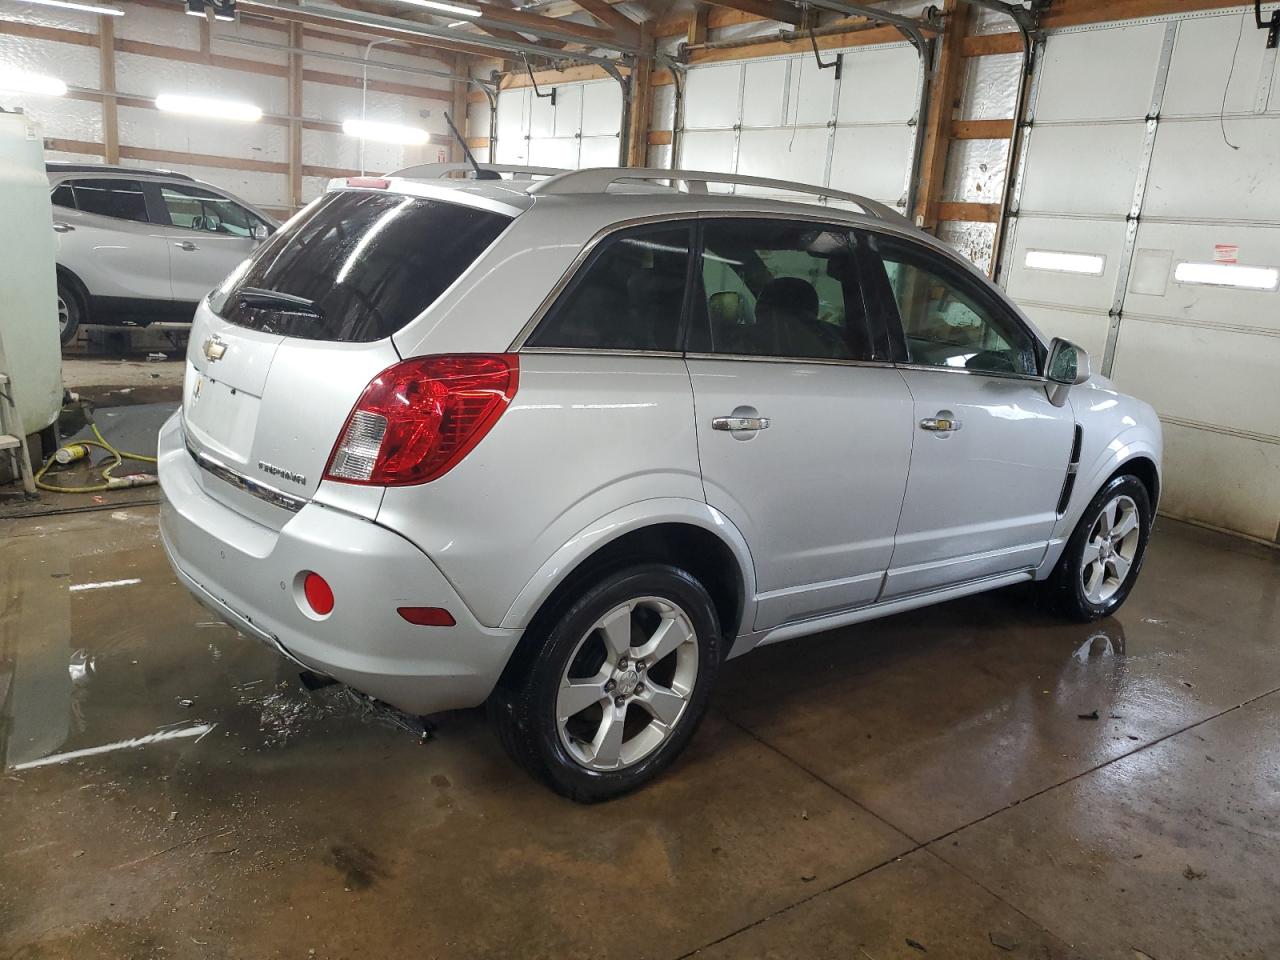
(619, 684)
(1101, 561)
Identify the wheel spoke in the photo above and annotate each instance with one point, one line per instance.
(1093, 582)
(1127, 523)
(577, 695)
(1120, 566)
(616, 630)
(1108, 517)
(663, 703)
(671, 633)
(607, 744)
(1091, 551)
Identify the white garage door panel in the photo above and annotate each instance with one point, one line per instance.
(1259, 246)
(711, 97)
(553, 152)
(706, 151)
(784, 154)
(1202, 59)
(1195, 174)
(810, 95)
(1104, 238)
(764, 92)
(1083, 169)
(542, 116)
(1201, 374)
(513, 107)
(568, 112)
(580, 129)
(601, 108)
(599, 152)
(872, 161)
(1227, 481)
(1100, 74)
(879, 86)
(1088, 330)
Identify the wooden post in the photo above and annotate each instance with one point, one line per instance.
(462, 67)
(295, 114)
(107, 84)
(697, 27)
(641, 101)
(944, 95)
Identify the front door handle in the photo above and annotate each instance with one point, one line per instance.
(944, 422)
(735, 424)
(60, 227)
(186, 245)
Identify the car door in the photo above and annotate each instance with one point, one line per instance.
(804, 426)
(991, 452)
(209, 235)
(107, 239)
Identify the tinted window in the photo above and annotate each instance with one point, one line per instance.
(779, 288)
(121, 199)
(195, 209)
(627, 296)
(63, 196)
(368, 262)
(948, 320)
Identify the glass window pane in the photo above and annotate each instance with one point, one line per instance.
(63, 196)
(947, 319)
(780, 288)
(196, 209)
(121, 199)
(628, 296)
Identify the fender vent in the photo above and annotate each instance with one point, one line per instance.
(1069, 481)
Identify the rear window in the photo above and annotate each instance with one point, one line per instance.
(364, 264)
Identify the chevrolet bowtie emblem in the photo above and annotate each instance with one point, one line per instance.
(214, 349)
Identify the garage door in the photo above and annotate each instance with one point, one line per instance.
(1147, 232)
(583, 128)
(787, 119)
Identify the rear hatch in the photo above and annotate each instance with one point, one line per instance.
(281, 351)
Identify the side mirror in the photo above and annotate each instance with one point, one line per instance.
(725, 308)
(260, 232)
(1068, 365)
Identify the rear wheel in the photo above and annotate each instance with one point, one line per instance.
(70, 311)
(1101, 561)
(618, 686)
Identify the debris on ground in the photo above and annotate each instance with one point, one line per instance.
(1087, 716)
(916, 945)
(1002, 940)
(1192, 874)
(808, 877)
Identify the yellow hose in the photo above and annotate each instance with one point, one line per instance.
(109, 482)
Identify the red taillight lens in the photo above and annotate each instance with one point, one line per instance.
(427, 616)
(318, 593)
(416, 420)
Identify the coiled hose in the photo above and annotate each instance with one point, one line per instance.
(70, 454)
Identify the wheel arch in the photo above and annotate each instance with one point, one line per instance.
(76, 284)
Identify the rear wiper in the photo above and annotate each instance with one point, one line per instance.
(257, 297)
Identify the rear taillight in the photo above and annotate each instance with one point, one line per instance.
(416, 420)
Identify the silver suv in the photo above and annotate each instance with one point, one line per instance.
(565, 446)
(142, 246)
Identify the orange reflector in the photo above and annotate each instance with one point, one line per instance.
(427, 616)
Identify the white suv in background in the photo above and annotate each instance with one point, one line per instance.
(565, 446)
(142, 246)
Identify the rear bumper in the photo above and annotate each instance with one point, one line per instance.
(248, 574)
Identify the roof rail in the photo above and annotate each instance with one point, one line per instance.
(598, 180)
(69, 166)
(434, 171)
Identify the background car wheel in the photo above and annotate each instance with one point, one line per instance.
(70, 311)
(617, 686)
(1101, 561)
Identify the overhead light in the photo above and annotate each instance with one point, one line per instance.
(85, 7)
(454, 24)
(453, 8)
(15, 81)
(1227, 275)
(1057, 260)
(384, 132)
(205, 107)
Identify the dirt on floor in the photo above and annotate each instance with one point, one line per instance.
(114, 382)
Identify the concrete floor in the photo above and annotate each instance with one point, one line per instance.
(930, 785)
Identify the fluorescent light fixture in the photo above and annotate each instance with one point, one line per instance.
(84, 7)
(16, 81)
(1056, 260)
(453, 8)
(384, 132)
(205, 107)
(454, 24)
(1227, 275)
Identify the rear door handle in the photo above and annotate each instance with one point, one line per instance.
(186, 245)
(734, 424)
(944, 422)
(60, 227)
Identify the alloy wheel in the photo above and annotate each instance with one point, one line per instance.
(64, 315)
(627, 684)
(1110, 550)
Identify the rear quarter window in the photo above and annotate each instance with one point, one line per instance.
(368, 262)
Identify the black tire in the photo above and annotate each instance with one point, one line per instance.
(524, 705)
(70, 300)
(1065, 589)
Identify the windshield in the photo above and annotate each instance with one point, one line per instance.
(356, 266)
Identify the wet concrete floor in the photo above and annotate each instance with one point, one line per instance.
(931, 785)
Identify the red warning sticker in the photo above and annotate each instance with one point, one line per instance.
(1226, 253)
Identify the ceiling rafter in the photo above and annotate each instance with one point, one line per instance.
(604, 12)
(778, 10)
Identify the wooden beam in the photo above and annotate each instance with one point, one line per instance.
(477, 143)
(296, 73)
(493, 13)
(619, 22)
(944, 94)
(697, 32)
(382, 86)
(34, 31)
(107, 82)
(988, 44)
(552, 77)
(982, 129)
(641, 106)
(968, 212)
(659, 138)
(764, 9)
(461, 65)
(777, 48)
